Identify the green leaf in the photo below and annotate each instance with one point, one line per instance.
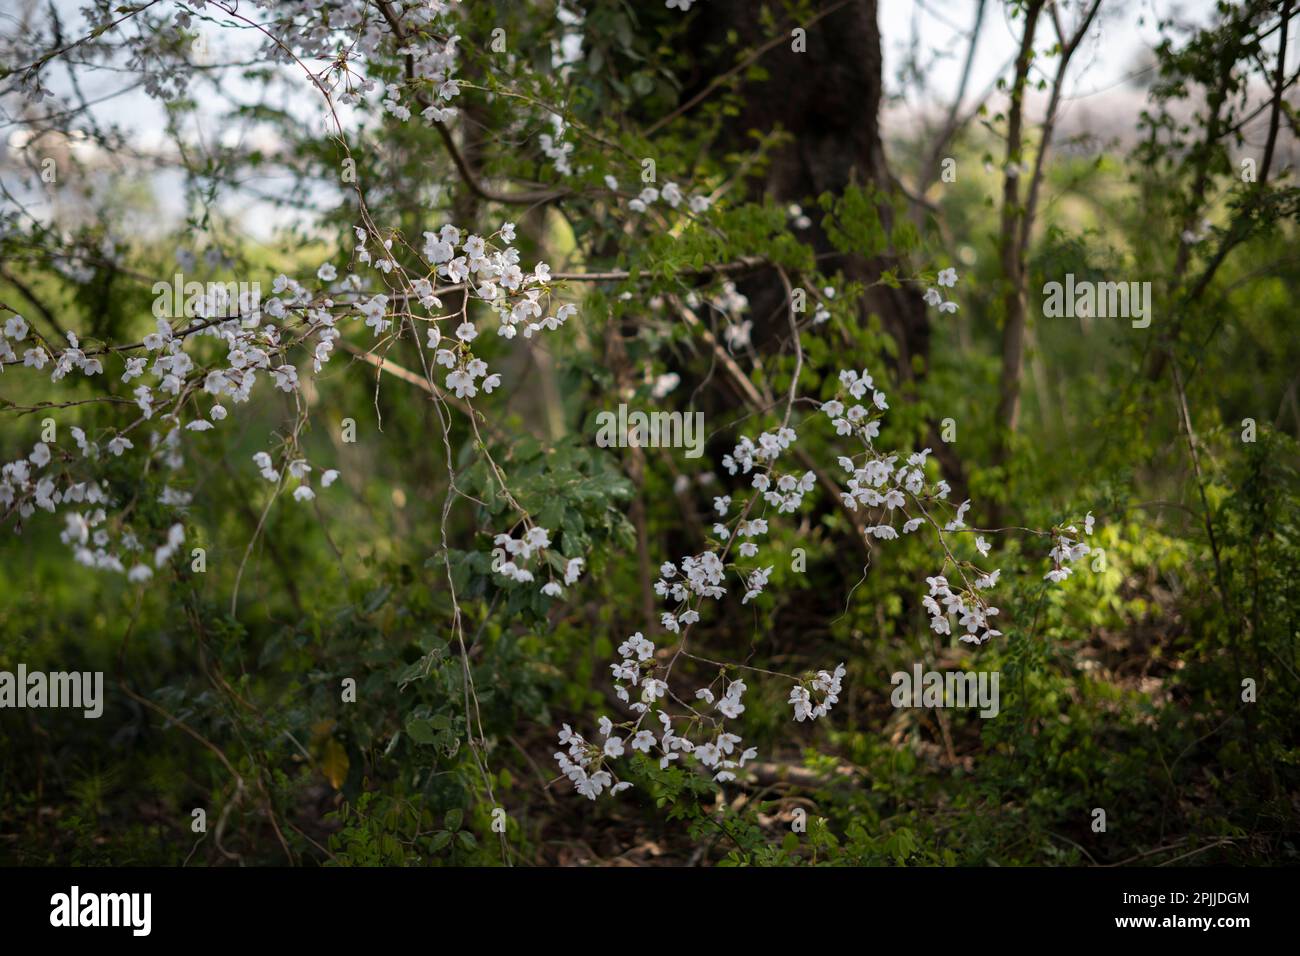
(421, 731)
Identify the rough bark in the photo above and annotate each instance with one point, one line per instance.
(828, 99)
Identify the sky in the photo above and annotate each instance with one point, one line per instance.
(1112, 52)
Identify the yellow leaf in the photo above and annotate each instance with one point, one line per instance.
(334, 763)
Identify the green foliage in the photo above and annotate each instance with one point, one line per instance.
(229, 690)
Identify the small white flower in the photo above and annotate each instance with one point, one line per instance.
(16, 328)
(463, 384)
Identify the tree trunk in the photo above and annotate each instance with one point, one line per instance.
(828, 99)
(1011, 249)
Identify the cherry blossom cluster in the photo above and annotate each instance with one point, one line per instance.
(815, 698)
(822, 312)
(894, 492)
(947, 278)
(973, 614)
(670, 193)
(185, 385)
(732, 306)
(685, 585)
(354, 32)
(490, 275)
(899, 498)
(1067, 550)
(748, 453)
(24, 490)
(511, 554)
(589, 766)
